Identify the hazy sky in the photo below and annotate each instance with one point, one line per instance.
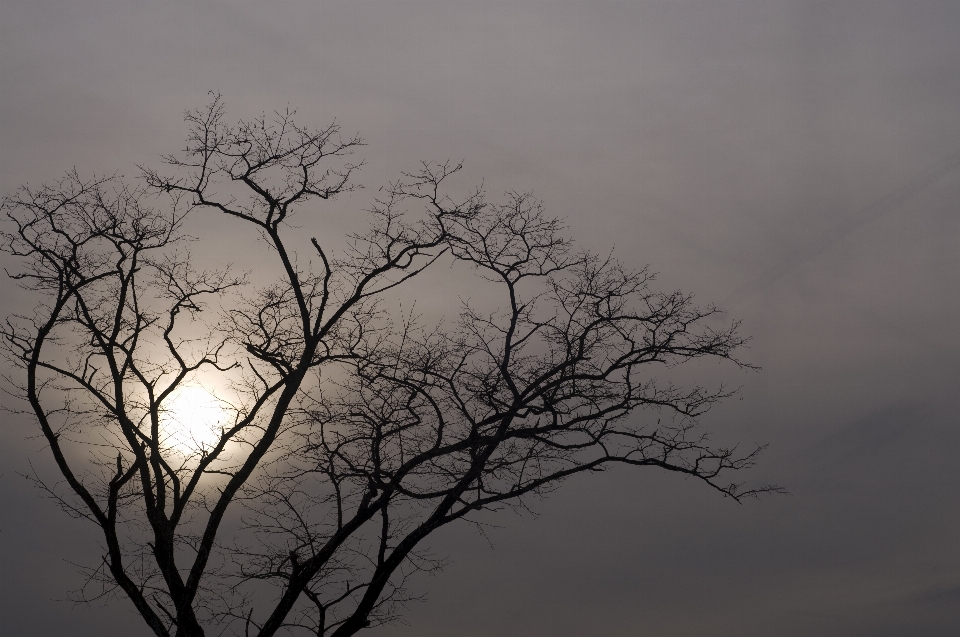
(797, 163)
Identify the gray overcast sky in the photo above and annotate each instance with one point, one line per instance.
(795, 162)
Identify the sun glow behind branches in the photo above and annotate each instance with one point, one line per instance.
(193, 419)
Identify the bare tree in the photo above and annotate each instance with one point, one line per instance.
(340, 439)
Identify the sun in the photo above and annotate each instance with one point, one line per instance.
(193, 418)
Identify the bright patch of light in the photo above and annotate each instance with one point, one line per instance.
(193, 418)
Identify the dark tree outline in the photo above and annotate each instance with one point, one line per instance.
(431, 423)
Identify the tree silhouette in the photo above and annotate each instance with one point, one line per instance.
(339, 438)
